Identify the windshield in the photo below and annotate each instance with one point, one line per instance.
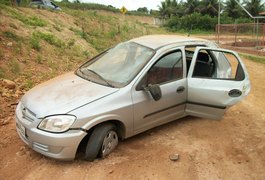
(117, 66)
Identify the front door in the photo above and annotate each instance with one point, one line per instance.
(168, 72)
(216, 79)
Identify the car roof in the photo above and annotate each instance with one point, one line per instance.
(158, 41)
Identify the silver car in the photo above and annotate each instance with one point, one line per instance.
(128, 89)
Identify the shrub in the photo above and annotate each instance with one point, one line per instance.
(192, 21)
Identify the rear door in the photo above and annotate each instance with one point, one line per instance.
(217, 79)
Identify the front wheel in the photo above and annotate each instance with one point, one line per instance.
(102, 141)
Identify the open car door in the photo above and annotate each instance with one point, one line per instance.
(217, 79)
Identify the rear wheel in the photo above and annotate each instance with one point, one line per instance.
(102, 141)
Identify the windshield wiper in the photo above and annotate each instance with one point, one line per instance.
(102, 78)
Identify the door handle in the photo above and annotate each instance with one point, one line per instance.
(235, 93)
(180, 89)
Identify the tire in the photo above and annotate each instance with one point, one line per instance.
(102, 141)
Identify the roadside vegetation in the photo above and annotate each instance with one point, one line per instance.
(38, 44)
(202, 15)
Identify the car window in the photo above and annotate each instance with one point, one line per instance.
(218, 65)
(167, 68)
(117, 66)
(189, 52)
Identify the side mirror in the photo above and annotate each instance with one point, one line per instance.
(155, 91)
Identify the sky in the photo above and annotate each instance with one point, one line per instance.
(128, 4)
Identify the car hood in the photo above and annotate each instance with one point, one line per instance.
(63, 94)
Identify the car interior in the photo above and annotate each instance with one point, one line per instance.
(205, 65)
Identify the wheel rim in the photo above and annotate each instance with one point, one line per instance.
(109, 143)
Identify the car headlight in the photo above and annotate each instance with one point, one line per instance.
(57, 124)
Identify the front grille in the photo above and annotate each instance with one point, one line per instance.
(28, 114)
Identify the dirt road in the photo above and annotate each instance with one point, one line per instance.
(231, 148)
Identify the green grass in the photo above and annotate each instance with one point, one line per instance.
(50, 38)
(32, 21)
(27, 20)
(35, 43)
(80, 33)
(86, 54)
(259, 59)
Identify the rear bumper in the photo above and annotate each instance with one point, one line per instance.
(61, 146)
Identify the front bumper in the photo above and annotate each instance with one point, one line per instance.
(55, 145)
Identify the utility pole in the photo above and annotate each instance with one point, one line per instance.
(219, 19)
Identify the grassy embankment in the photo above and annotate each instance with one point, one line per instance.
(38, 44)
(259, 59)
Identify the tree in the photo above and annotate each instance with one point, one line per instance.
(254, 6)
(143, 10)
(209, 7)
(191, 6)
(77, 1)
(154, 12)
(169, 8)
(233, 9)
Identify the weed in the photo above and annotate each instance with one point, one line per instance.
(50, 38)
(125, 27)
(95, 13)
(39, 59)
(35, 43)
(33, 21)
(71, 43)
(112, 34)
(86, 54)
(11, 35)
(82, 34)
(14, 66)
(28, 84)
